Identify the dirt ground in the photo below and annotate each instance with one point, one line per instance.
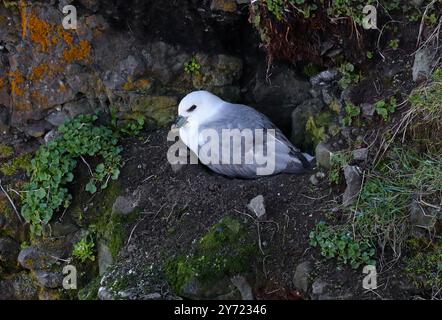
(176, 209)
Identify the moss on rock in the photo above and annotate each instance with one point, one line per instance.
(20, 163)
(6, 151)
(225, 250)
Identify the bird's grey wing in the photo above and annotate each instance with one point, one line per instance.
(288, 157)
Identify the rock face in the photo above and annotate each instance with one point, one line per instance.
(51, 74)
(423, 62)
(353, 179)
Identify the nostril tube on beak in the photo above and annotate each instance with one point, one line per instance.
(180, 121)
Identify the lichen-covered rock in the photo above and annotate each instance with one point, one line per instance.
(24, 286)
(33, 258)
(162, 109)
(49, 279)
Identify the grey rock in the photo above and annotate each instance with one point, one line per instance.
(51, 136)
(57, 118)
(327, 96)
(301, 279)
(313, 180)
(152, 296)
(75, 108)
(353, 179)
(368, 109)
(322, 290)
(6, 290)
(92, 5)
(197, 289)
(243, 286)
(360, 154)
(323, 155)
(105, 258)
(124, 205)
(280, 95)
(324, 78)
(61, 229)
(131, 66)
(104, 294)
(32, 258)
(300, 117)
(9, 250)
(423, 62)
(48, 279)
(316, 178)
(318, 287)
(24, 286)
(422, 216)
(257, 206)
(38, 129)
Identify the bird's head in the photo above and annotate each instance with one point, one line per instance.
(197, 107)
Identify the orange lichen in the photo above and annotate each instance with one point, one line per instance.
(3, 82)
(24, 18)
(38, 72)
(80, 52)
(40, 32)
(67, 36)
(17, 81)
(40, 99)
(140, 84)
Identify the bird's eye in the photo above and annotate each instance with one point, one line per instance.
(191, 108)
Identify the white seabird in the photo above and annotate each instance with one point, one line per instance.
(202, 110)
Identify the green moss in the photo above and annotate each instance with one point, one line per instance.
(21, 163)
(426, 128)
(161, 109)
(224, 251)
(6, 151)
(107, 225)
(425, 267)
(318, 128)
(90, 292)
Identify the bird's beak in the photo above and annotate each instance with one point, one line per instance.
(180, 121)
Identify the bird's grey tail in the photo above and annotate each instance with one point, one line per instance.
(304, 163)
(310, 160)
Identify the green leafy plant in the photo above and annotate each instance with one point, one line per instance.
(317, 132)
(349, 76)
(134, 127)
(192, 67)
(351, 112)
(84, 250)
(394, 44)
(335, 243)
(385, 108)
(425, 267)
(338, 161)
(276, 7)
(51, 169)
